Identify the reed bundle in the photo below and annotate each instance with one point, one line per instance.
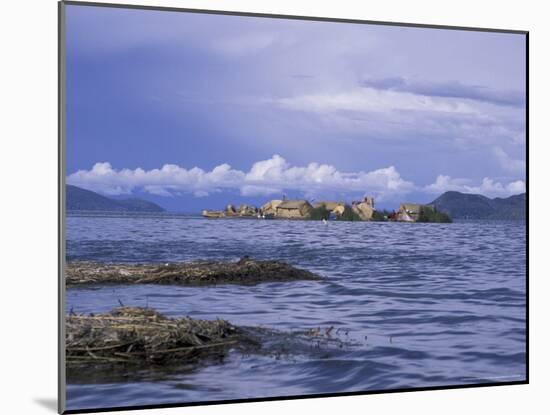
(141, 335)
(245, 271)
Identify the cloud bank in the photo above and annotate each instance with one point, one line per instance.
(488, 187)
(273, 176)
(508, 163)
(450, 112)
(267, 177)
(372, 100)
(449, 89)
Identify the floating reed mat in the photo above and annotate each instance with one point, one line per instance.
(244, 271)
(142, 335)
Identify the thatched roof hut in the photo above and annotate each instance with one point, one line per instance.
(246, 210)
(270, 208)
(293, 209)
(365, 208)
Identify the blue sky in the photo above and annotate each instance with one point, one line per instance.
(193, 111)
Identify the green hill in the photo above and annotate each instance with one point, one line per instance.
(82, 199)
(470, 206)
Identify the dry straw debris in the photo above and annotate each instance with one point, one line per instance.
(244, 271)
(141, 335)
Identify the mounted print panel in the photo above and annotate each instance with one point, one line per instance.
(262, 207)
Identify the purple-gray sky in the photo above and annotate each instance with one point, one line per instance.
(194, 110)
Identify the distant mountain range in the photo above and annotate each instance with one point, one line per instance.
(468, 206)
(82, 199)
(455, 204)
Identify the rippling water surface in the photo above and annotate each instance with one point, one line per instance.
(412, 305)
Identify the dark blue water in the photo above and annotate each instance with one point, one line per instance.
(413, 305)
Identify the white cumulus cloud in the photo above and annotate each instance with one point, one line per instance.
(273, 177)
(487, 187)
(266, 177)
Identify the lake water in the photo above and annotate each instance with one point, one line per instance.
(412, 305)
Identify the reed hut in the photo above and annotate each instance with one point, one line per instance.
(294, 209)
(364, 209)
(270, 208)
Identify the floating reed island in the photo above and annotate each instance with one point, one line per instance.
(332, 210)
(139, 337)
(143, 336)
(246, 271)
